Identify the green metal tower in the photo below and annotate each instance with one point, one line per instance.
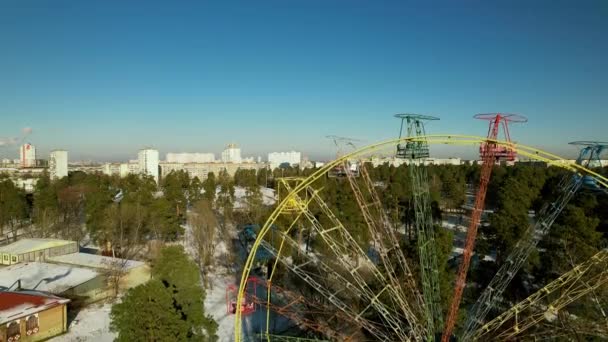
(415, 150)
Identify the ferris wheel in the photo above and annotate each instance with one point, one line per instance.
(345, 274)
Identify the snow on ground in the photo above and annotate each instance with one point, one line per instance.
(218, 279)
(240, 195)
(215, 305)
(90, 324)
(454, 223)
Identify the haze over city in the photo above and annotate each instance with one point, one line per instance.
(103, 81)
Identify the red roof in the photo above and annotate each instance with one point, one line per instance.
(15, 304)
(12, 299)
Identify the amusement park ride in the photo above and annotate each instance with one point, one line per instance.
(336, 289)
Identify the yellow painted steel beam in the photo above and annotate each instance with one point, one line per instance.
(450, 139)
(574, 284)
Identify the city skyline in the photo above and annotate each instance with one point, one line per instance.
(105, 81)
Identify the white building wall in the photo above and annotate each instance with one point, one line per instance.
(446, 161)
(123, 170)
(58, 164)
(277, 158)
(185, 158)
(109, 169)
(148, 162)
(232, 154)
(202, 170)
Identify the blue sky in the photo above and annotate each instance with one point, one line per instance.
(103, 79)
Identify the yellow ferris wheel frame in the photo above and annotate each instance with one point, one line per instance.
(446, 139)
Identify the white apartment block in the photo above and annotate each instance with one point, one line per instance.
(202, 170)
(120, 169)
(190, 157)
(148, 162)
(275, 159)
(58, 164)
(232, 154)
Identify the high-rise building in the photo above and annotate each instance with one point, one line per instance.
(28, 155)
(58, 164)
(232, 154)
(275, 159)
(148, 162)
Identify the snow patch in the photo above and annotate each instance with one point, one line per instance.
(90, 324)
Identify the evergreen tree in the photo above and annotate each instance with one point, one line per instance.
(209, 186)
(195, 189)
(182, 278)
(46, 206)
(225, 200)
(13, 206)
(148, 313)
(167, 308)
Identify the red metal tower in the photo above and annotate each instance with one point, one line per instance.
(489, 153)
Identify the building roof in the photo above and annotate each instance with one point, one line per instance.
(45, 277)
(30, 245)
(94, 261)
(15, 305)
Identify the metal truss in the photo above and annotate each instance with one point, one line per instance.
(490, 152)
(328, 273)
(415, 152)
(317, 282)
(386, 244)
(492, 294)
(391, 245)
(328, 278)
(280, 338)
(343, 245)
(581, 280)
(296, 308)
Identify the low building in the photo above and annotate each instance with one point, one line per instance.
(442, 161)
(79, 284)
(202, 170)
(26, 184)
(120, 169)
(26, 250)
(133, 272)
(31, 316)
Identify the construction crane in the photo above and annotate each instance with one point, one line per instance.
(568, 186)
(415, 150)
(571, 286)
(490, 152)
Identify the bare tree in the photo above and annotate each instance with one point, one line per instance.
(124, 226)
(204, 224)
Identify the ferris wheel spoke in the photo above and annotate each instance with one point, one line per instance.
(581, 280)
(568, 187)
(389, 315)
(384, 246)
(294, 307)
(332, 296)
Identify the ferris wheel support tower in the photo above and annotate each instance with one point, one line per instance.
(489, 152)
